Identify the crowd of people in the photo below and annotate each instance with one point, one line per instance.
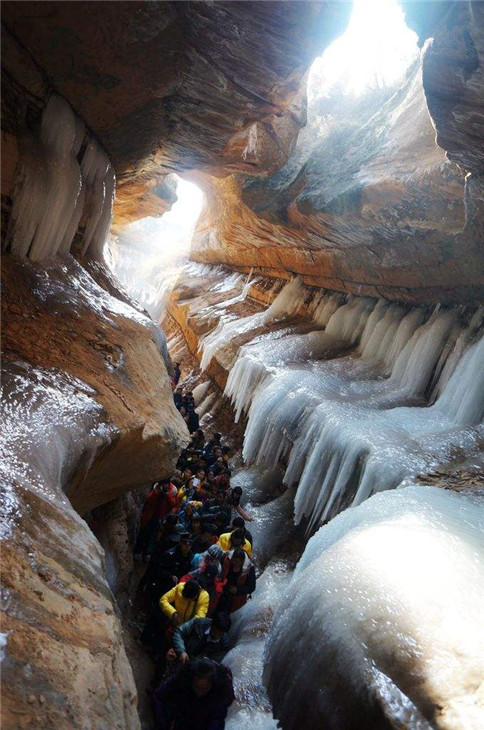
(198, 550)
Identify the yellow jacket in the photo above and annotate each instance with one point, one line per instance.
(224, 543)
(175, 602)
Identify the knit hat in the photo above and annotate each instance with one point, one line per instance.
(215, 552)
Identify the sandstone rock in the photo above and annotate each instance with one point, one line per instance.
(169, 85)
(88, 413)
(370, 208)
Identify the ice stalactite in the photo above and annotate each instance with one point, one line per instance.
(352, 395)
(383, 622)
(48, 183)
(99, 180)
(53, 194)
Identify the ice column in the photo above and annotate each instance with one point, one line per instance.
(53, 194)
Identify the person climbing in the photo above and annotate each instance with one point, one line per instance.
(240, 582)
(236, 538)
(178, 397)
(206, 538)
(233, 499)
(184, 602)
(176, 374)
(150, 515)
(193, 421)
(221, 523)
(209, 579)
(202, 636)
(196, 698)
(163, 572)
(239, 522)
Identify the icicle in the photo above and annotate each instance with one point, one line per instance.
(48, 184)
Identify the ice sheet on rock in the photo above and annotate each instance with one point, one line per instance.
(385, 609)
(287, 303)
(341, 424)
(249, 630)
(272, 527)
(47, 419)
(258, 484)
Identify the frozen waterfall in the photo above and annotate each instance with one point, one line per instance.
(351, 395)
(384, 618)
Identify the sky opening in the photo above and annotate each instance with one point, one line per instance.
(374, 52)
(147, 255)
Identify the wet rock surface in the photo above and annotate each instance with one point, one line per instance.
(82, 421)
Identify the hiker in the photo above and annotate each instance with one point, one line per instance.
(208, 578)
(236, 538)
(240, 582)
(202, 636)
(196, 698)
(184, 602)
(176, 373)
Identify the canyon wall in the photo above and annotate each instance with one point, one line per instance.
(368, 203)
(174, 86)
(92, 92)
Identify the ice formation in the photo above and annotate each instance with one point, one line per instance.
(351, 426)
(384, 616)
(52, 192)
(352, 395)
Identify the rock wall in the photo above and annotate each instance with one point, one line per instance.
(174, 85)
(87, 415)
(372, 208)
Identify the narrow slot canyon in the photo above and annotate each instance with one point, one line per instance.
(242, 365)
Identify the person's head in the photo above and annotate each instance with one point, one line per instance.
(189, 483)
(217, 453)
(196, 523)
(179, 391)
(199, 433)
(187, 474)
(185, 544)
(183, 410)
(226, 450)
(220, 519)
(207, 532)
(237, 491)
(214, 554)
(201, 474)
(176, 482)
(238, 522)
(237, 560)
(177, 364)
(237, 538)
(210, 572)
(202, 675)
(170, 522)
(191, 590)
(165, 485)
(221, 624)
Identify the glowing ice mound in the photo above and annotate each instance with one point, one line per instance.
(382, 624)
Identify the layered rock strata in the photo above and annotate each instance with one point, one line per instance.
(373, 208)
(174, 86)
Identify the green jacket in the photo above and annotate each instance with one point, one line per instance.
(191, 638)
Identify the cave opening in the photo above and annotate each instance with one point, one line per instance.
(147, 254)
